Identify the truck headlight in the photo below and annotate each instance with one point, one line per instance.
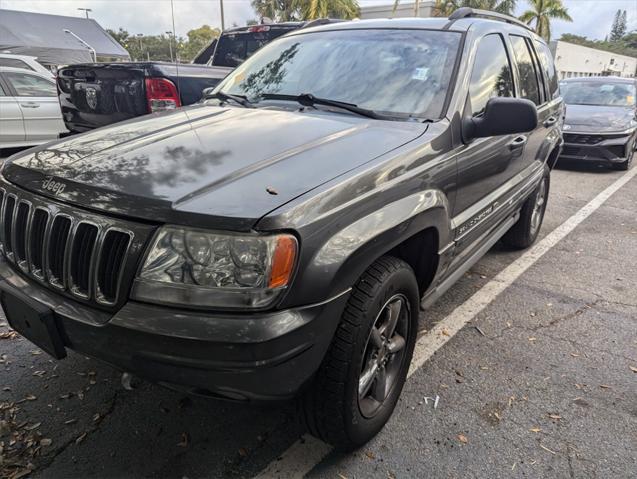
(200, 268)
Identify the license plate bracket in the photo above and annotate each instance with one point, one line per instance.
(34, 321)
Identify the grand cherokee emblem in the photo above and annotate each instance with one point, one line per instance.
(91, 97)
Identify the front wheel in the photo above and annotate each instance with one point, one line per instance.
(358, 384)
(526, 230)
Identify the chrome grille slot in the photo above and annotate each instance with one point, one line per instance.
(7, 225)
(82, 254)
(57, 250)
(36, 241)
(20, 234)
(110, 265)
(82, 258)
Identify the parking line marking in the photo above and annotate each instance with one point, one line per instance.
(307, 451)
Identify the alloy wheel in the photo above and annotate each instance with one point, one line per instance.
(383, 356)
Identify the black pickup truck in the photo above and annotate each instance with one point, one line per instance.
(98, 94)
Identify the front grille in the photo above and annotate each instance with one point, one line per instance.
(582, 139)
(78, 253)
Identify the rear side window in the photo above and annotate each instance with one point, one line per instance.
(30, 85)
(549, 68)
(14, 63)
(529, 87)
(491, 76)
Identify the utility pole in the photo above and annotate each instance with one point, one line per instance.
(86, 10)
(141, 47)
(170, 44)
(223, 25)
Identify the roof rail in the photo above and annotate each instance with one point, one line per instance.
(468, 12)
(321, 21)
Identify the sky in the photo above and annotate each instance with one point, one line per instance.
(591, 18)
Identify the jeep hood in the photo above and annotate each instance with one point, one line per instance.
(598, 119)
(205, 165)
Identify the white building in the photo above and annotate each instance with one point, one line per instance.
(576, 61)
(404, 9)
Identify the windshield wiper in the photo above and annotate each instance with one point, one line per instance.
(240, 99)
(307, 99)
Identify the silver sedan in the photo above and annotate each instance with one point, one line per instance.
(29, 110)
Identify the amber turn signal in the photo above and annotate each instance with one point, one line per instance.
(283, 261)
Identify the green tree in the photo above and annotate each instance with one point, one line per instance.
(276, 10)
(627, 45)
(444, 8)
(312, 9)
(618, 29)
(198, 38)
(542, 12)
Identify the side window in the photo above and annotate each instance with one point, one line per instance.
(491, 74)
(15, 63)
(30, 85)
(549, 67)
(529, 87)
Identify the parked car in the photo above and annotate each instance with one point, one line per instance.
(95, 95)
(25, 62)
(601, 120)
(29, 109)
(277, 239)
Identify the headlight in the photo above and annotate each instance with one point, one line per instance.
(199, 268)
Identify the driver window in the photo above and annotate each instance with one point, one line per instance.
(491, 76)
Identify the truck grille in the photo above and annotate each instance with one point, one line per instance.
(73, 251)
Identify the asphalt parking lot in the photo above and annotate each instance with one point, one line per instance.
(541, 382)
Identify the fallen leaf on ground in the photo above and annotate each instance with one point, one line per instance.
(555, 416)
(184, 440)
(80, 438)
(605, 386)
(370, 454)
(444, 332)
(535, 429)
(633, 369)
(45, 442)
(463, 439)
(532, 339)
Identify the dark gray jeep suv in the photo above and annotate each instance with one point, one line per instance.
(278, 239)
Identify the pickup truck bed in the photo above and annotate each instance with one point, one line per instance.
(98, 94)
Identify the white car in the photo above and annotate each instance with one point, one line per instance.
(25, 62)
(29, 109)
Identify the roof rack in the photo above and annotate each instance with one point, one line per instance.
(468, 12)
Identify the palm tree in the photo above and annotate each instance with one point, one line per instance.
(312, 9)
(276, 10)
(542, 11)
(444, 8)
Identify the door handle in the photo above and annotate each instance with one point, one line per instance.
(30, 104)
(518, 143)
(550, 121)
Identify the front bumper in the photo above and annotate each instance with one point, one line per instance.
(607, 149)
(251, 356)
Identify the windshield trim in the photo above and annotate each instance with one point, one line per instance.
(406, 117)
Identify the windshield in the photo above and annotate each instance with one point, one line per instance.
(602, 93)
(393, 72)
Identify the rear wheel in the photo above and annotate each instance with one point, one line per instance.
(358, 384)
(526, 230)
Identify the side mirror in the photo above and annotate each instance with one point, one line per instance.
(206, 92)
(502, 116)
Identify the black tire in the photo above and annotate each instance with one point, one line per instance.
(526, 230)
(331, 408)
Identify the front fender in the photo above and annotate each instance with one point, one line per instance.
(341, 260)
